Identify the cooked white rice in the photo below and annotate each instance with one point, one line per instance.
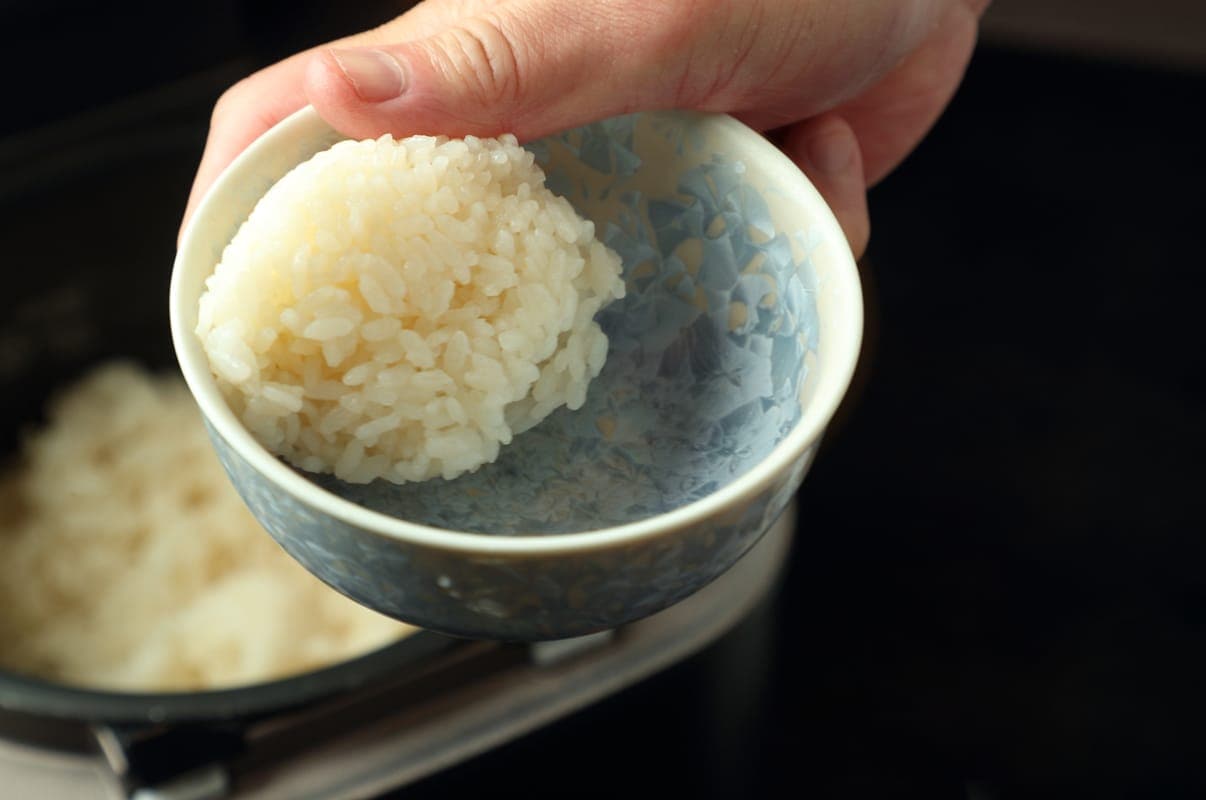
(401, 309)
(127, 560)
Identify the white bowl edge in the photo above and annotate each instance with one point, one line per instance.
(836, 365)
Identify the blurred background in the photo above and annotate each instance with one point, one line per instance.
(998, 586)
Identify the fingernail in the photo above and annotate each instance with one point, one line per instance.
(831, 149)
(375, 75)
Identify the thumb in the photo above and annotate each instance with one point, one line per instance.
(533, 67)
(529, 68)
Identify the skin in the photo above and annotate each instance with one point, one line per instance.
(847, 88)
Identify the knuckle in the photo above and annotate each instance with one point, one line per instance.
(229, 99)
(486, 60)
(718, 44)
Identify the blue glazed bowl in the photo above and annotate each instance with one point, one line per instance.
(729, 355)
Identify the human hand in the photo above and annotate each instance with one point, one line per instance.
(847, 89)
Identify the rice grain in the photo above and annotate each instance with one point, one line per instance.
(401, 309)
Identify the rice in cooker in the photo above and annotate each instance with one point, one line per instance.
(400, 309)
(128, 561)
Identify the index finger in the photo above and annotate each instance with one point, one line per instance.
(258, 102)
(242, 114)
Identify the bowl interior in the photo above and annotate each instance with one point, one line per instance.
(715, 350)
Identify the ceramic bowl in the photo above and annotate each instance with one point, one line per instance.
(729, 355)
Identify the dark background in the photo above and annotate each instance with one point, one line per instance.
(998, 587)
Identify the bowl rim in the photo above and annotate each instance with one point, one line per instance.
(833, 382)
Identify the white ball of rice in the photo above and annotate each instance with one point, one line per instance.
(401, 309)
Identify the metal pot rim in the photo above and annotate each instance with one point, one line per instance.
(34, 697)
